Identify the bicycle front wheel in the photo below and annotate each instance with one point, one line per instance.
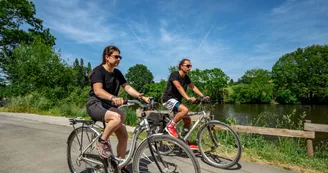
(88, 161)
(219, 144)
(181, 159)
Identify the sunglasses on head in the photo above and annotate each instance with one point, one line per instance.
(188, 65)
(117, 56)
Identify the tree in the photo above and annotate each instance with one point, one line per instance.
(156, 90)
(81, 73)
(302, 76)
(210, 81)
(138, 76)
(256, 76)
(13, 15)
(231, 82)
(76, 63)
(89, 69)
(173, 69)
(255, 87)
(36, 67)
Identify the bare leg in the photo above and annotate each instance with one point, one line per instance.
(114, 119)
(182, 111)
(187, 121)
(122, 136)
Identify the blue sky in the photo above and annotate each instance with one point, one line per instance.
(234, 35)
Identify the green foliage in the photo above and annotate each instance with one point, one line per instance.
(173, 69)
(138, 76)
(80, 73)
(285, 96)
(71, 110)
(283, 149)
(37, 67)
(210, 81)
(78, 96)
(265, 119)
(292, 121)
(4, 91)
(156, 90)
(256, 76)
(13, 15)
(131, 117)
(255, 87)
(231, 82)
(302, 74)
(30, 102)
(321, 149)
(287, 121)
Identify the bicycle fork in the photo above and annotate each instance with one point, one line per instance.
(212, 134)
(159, 156)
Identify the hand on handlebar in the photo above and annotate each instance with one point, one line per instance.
(205, 98)
(192, 99)
(146, 99)
(117, 101)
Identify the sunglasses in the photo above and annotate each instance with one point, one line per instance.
(187, 65)
(117, 56)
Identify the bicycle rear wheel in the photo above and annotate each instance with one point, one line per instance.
(180, 160)
(219, 144)
(78, 140)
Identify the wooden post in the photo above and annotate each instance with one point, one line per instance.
(309, 144)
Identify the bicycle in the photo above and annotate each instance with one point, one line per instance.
(83, 157)
(218, 143)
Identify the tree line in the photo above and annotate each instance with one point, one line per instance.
(30, 64)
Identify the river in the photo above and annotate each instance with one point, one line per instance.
(247, 114)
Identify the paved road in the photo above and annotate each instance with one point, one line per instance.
(28, 144)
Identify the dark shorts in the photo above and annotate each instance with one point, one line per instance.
(97, 109)
(176, 106)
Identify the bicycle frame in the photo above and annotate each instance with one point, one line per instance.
(202, 117)
(142, 125)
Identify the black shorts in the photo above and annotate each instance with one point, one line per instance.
(97, 109)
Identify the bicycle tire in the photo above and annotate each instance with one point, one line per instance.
(221, 138)
(171, 160)
(82, 136)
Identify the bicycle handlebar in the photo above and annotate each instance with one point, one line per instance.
(203, 100)
(137, 102)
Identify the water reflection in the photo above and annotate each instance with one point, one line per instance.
(246, 113)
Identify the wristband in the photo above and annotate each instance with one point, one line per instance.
(140, 96)
(111, 99)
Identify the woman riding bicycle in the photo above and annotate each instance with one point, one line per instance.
(103, 101)
(175, 90)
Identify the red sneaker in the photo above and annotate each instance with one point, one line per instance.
(171, 130)
(192, 146)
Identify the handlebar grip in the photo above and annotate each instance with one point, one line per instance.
(125, 102)
(203, 100)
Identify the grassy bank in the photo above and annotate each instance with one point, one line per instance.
(287, 153)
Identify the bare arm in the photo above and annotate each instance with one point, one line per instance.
(100, 92)
(130, 90)
(134, 93)
(180, 89)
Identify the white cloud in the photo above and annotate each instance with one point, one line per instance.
(81, 22)
(168, 31)
(284, 8)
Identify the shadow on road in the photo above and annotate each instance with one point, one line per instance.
(237, 166)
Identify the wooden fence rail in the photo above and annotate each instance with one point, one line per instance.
(308, 133)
